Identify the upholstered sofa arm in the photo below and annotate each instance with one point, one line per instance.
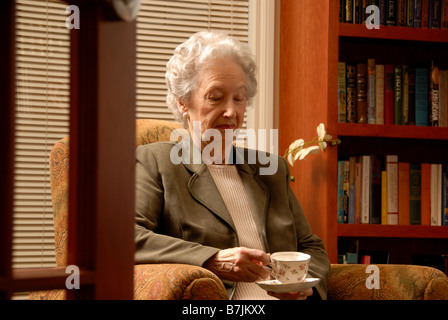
(396, 282)
(176, 282)
(163, 282)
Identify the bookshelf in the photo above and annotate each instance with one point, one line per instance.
(312, 43)
(392, 33)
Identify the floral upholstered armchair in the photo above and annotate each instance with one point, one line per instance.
(151, 281)
(180, 282)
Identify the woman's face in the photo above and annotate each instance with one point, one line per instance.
(219, 101)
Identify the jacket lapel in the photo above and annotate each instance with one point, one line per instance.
(203, 189)
(201, 185)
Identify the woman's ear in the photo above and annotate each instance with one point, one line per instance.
(181, 107)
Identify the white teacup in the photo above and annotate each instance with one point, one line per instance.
(289, 266)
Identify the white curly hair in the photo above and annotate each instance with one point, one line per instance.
(183, 70)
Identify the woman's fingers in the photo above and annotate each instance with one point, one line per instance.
(239, 264)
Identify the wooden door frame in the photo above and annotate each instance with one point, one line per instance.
(102, 146)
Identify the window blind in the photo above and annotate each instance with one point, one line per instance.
(42, 118)
(42, 102)
(162, 26)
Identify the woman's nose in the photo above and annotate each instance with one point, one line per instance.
(230, 109)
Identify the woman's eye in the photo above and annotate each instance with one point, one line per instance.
(214, 99)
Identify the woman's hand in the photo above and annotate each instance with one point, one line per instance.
(301, 295)
(239, 264)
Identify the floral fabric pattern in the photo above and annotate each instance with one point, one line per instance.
(396, 282)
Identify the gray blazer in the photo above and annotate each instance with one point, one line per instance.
(181, 217)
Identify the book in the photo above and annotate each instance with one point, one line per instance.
(411, 96)
(361, 92)
(358, 181)
(404, 217)
(376, 256)
(434, 14)
(421, 97)
(436, 194)
(415, 187)
(425, 195)
(444, 15)
(391, 12)
(351, 190)
(434, 95)
(389, 94)
(342, 89)
(341, 10)
(405, 95)
(383, 197)
(371, 111)
(398, 103)
(417, 13)
(365, 189)
(392, 189)
(349, 11)
(401, 13)
(443, 98)
(425, 13)
(375, 190)
(351, 257)
(346, 189)
(382, 7)
(340, 201)
(410, 13)
(363, 16)
(379, 93)
(444, 198)
(364, 259)
(357, 11)
(351, 93)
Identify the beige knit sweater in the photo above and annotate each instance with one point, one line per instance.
(230, 185)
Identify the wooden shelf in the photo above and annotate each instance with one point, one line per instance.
(392, 131)
(392, 231)
(393, 33)
(310, 54)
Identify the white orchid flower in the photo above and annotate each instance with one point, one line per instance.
(304, 152)
(295, 145)
(297, 150)
(322, 136)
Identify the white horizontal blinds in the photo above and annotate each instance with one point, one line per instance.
(162, 26)
(42, 118)
(42, 110)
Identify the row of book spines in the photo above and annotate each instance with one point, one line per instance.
(410, 194)
(427, 14)
(392, 94)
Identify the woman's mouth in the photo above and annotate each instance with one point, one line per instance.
(225, 126)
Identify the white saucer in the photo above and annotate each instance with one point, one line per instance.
(276, 286)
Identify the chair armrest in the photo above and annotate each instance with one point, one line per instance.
(163, 282)
(48, 295)
(176, 282)
(396, 282)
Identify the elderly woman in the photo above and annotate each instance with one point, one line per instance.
(218, 213)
